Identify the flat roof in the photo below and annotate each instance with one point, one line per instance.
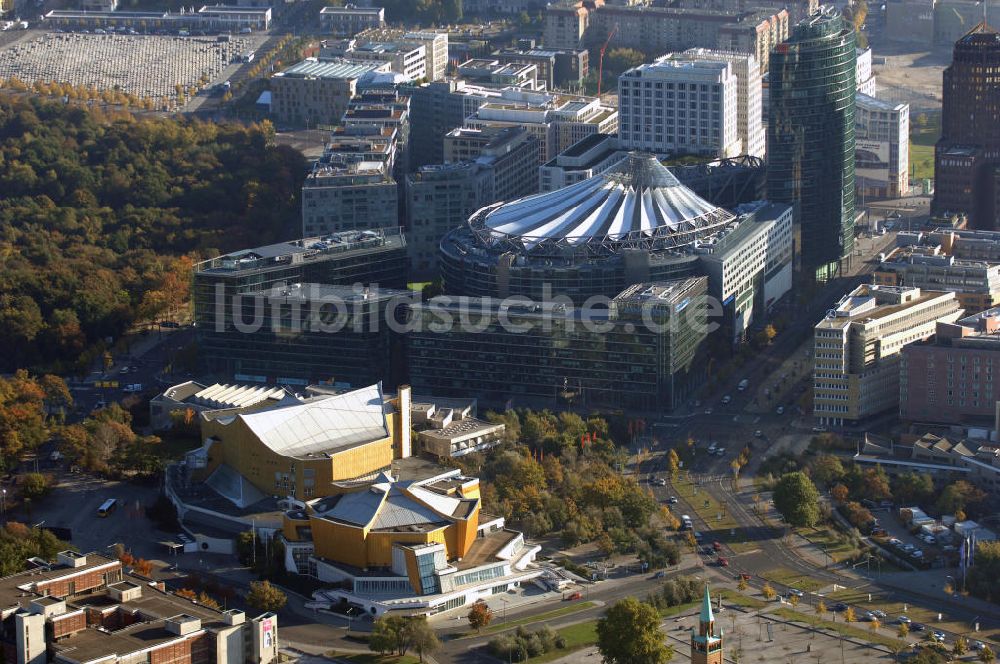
(329, 69)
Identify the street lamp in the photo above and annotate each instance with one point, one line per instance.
(3, 503)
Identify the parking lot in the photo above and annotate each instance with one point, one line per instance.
(73, 505)
(147, 66)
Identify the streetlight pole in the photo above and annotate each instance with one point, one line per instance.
(3, 503)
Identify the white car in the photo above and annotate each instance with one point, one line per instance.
(726, 399)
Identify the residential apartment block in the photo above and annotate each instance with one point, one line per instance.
(576, 24)
(953, 378)
(86, 608)
(858, 348)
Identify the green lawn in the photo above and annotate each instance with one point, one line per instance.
(374, 658)
(849, 630)
(499, 625)
(826, 537)
(791, 578)
(922, 140)
(918, 614)
(733, 597)
(709, 509)
(577, 637)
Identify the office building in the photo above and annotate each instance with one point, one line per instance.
(349, 20)
(949, 379)
(749, 268)
(433, 47)
(84, 608)
(967, 156)
(881, 148)
(810, 146)
(303, 333)
(576, 24)
(976, 283)
(858, 347)
(492, 72)
(230, 284)
(597, 237)
(98, 5)
(350, 196)
(724, 182)
(315, 92)
(645, 351)
(482, 167)
(383, 530)
(679, 106)
(863, 76)
(557, 121)
(437, 108)
(511, 154)
(797, 9)
(557, 68)
(748, 95)
(441, 197)
(223, 18)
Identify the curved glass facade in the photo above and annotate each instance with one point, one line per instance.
(811, 139)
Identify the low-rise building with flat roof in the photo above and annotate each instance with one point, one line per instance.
(225, 18)
(86, 608)
(976, 283)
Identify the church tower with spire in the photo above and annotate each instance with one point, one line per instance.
(706, 644)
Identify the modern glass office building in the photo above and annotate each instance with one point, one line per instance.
(810, 141)
(254, 309)
(645, 352)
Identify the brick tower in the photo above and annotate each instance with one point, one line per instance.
(706, 645)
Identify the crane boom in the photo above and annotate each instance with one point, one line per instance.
(600, 65)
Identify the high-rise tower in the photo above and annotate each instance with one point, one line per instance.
(706, 645)
(810, 142)
(967, 156)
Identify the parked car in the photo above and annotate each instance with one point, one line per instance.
(723, 562)
(796, 592)
(758, 434)
(726, 399)
(780, 410)
(903, 620)
(938, 636)
(717, 545)
(672, 500)
(916, 627)
(574, 596)
(745, 576)
(839, 606)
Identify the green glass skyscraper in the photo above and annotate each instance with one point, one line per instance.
(810, 141)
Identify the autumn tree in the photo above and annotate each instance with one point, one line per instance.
(849, 615)
(266, 597)
(480, 615)
(629, 633)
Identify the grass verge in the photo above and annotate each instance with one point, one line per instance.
(709, 510)
(577, 637)
(793, 579)
(374, 658)
(829, 540)
(733, 597)
(848, 630)
(537, 618)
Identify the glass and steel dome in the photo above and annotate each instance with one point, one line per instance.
(638, 202)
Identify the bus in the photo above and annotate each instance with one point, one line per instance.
(107, 507)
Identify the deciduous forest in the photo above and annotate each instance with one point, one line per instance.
(102, 215)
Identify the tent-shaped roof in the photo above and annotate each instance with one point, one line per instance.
(321, 425)
(638, 196)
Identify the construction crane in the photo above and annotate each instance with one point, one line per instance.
(600, 66)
